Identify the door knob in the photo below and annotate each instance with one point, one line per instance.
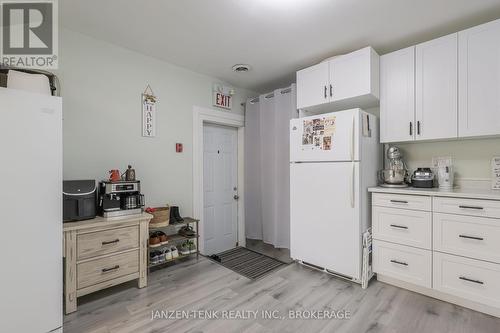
(236, 197)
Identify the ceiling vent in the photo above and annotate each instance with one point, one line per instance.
(241, 68)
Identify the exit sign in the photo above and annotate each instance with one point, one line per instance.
(222, 100)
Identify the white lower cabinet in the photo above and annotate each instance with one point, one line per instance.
(475, 280)
(450, 247)
(403, 262)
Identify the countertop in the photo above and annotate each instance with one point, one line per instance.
(99, 221)
(436, 192)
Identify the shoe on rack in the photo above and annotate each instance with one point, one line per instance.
(192, 246)
(174, 252)
(175, 215)
(154, 240)
(184, 249)
(187, 231)
(167, 254)
(153, 258)
(163, 237)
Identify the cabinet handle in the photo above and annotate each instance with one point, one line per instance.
(471, 237)
(399, 201)
(411, 128)
(470, 280)
(399, 262)
(418, 127)
(325, 93)
(471, 207)
(331, 91)
(110, 242)
(105, 270)
(399, 226)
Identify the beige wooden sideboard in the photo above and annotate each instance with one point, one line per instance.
(104, 252)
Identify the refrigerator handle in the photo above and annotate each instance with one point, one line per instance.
(352, 138)
(351, 185)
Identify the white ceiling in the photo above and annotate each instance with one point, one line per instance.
(276, 37)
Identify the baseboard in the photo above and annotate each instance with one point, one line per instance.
(440, 295)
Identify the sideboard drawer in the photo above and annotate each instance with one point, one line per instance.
(107, 268)
(406, 227)
(475, 280)
(475, 237)
(473, 207)
(109, 241)
(405, 263)
(416, 202)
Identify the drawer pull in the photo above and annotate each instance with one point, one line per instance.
(399, 226)
(111, 242)
(471, 237)
(470, 280)
(399, 262)
(471, 207)
(114, 268)
(399, 201)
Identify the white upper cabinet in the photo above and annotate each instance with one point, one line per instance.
(347, 81)
(397, 96)
(313, 86)
(479, 80)
(436, 88)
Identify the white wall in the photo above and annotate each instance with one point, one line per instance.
(101, 89)
(472, 157)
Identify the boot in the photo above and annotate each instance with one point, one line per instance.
(175, 215)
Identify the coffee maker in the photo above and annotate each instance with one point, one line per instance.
(119, 198)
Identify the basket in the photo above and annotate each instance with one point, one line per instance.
(161, 217)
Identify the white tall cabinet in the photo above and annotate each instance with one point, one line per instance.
(436, 88)
(479, 80)
(397, 96)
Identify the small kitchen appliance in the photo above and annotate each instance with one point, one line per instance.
(397, 173)
(445, 177)
(119, 198)
(79, 200)
(422, 178)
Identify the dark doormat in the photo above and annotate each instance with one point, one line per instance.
(246, 262)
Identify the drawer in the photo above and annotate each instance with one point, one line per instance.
(475, 280)
(107, 268)
(401, 262)
(406, 227)
(469, 236)
(473, 207)
(104, 242)
(416, 202)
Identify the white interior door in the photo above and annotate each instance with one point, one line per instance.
(220, 186)
(324, 208)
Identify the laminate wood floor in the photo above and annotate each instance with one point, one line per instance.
(203, 285)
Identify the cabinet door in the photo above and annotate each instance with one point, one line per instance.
(312, 86)
(397, 96)
(436, 88)
(351, 75)
(479, 80)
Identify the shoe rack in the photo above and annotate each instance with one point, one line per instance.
(175, 239)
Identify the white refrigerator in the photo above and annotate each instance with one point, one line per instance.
(334, 158)
(31, 284)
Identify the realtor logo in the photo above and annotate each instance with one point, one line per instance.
(29, 33)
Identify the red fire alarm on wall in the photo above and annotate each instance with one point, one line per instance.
(178, 147)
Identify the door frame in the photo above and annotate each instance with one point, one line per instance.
(203, 116)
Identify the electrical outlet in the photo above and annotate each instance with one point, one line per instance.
(441, 161)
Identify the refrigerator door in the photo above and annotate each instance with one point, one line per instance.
(326, 137)
(31, 212)
(325, 216)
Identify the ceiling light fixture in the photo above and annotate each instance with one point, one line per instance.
(241, 68)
